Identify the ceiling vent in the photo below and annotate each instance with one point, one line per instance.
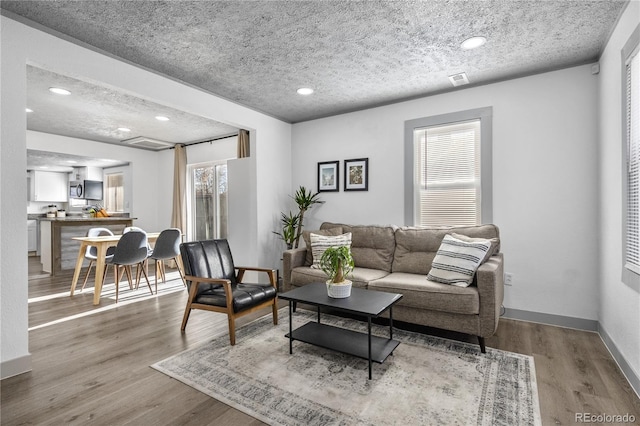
(148, 143)
(459, 79)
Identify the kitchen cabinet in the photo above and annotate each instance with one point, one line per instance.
(49, 186)
(32, 235)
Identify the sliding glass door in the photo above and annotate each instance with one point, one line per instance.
(208, 201)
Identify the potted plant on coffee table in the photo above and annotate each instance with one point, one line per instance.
(337, 263)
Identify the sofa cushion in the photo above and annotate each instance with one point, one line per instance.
(456, 261)
(306, 236)
(320, 243)
(371, 246)
(421, 293)
(495, 244)
(416, 247)
(360, 277)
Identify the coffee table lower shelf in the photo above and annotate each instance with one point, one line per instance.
(345, 341)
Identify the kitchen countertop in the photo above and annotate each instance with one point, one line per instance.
(85, 219)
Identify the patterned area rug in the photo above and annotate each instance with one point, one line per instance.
(428, 380)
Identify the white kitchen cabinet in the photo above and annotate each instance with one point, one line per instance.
(32, 235)
(49, 186)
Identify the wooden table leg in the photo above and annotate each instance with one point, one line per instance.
(102, 253)
(76, 272)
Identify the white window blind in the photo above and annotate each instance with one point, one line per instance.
(633, 163)
(447, 174)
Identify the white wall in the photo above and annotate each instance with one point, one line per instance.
(14, 339)
(21, 45)
(619, 303)
(544, 178)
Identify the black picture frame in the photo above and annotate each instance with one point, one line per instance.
(329, 176)
(356, 174)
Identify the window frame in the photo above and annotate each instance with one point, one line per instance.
(191, 213)
(107, 174)
(485, 115)
(629, 276)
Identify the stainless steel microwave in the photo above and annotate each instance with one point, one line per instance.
(86, 189)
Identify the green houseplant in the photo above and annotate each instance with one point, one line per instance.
(337, 263)
(289, 227)
(305, 200)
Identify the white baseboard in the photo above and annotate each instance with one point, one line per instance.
(551, 319)
(580, 324)
(15, 366)
(632, 377)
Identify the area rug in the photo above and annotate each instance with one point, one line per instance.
(427, 380)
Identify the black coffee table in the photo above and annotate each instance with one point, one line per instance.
(368, 303)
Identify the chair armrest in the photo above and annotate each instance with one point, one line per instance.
(206, 280)
(292, 259)
(252, 268)
(271, 273)
(195, 282)
(490, 279)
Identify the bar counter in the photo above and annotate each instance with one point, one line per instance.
(58, 251)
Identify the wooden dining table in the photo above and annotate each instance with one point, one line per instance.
(101, 243)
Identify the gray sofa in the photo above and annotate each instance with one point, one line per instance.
(398, 259)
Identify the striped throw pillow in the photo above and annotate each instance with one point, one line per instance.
(456, 261)
(319, 243)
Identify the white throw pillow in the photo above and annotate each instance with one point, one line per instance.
(319, 243)
(456, 261)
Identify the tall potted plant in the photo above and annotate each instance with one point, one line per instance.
(305, 200)
(337, 263)
(289, 227)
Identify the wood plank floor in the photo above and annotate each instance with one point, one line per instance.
(91, 364)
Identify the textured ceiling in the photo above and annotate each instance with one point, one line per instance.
(94, 112)
(355, 54)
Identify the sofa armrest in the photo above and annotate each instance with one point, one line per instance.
(291, 259)
(490, 280)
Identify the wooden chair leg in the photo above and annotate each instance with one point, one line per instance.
(146, 277)
(86, 277)
(115, 274)
(232, 329)
(156, 276)
(274, 308)
(185, 318)
(184, 283)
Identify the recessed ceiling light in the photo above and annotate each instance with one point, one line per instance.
(162, 118)
(28, 110)
(124, 129)
(72, 161)
(305, 91)
(473, 42)
(59, 91)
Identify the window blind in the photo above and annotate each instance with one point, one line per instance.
(633, 163)
(447, 174)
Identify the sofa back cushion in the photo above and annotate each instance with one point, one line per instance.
(372, 246)
(416, 247)
(336, 230)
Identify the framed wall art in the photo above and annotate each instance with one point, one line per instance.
(328, 176)
(356, 174)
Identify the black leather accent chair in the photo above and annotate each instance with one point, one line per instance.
(215, 284)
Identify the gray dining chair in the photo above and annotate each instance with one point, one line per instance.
(167, 247)
(91, 253)
(131, 250)
(145, 264)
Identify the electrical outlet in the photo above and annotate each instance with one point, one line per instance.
(508, 278)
